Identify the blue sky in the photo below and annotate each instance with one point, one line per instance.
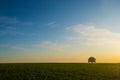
(59, 30)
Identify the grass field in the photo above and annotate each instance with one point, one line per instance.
(59, 71)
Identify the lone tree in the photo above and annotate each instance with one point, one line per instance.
(91, 60)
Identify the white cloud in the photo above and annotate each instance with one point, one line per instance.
(54, 46)
(13, 20)
(10, 31)
(27, 23)
(3, 45)
(52, 24)
(11, 28)
(17, 48)
(13, 47)
(94, 36)
(5, 19)
(2, 32)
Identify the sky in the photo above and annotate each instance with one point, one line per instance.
(59, 31)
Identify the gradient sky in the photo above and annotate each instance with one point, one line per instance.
(59, 30)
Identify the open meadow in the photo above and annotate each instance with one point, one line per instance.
(59, 71)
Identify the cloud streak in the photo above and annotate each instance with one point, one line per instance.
(17, 48)
(53, 46)
(10, 20)
(13, 20)
(94, 36)
(9, 25)
(52, 24)
(3, 45)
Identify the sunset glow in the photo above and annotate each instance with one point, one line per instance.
(59, 31)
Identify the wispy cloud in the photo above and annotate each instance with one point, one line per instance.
(11, 31)
(13, 47)
(27, 24)
(11, 28)
(17, 47)
(13, 20)
(3, 45)
(2, 32)
(8, 30)
(52, 24)
(9, 25)
(10, 20)
(54, 46)
(94, 36)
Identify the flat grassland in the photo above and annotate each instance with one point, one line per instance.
(59, 71)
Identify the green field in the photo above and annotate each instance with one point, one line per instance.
(59, 71)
